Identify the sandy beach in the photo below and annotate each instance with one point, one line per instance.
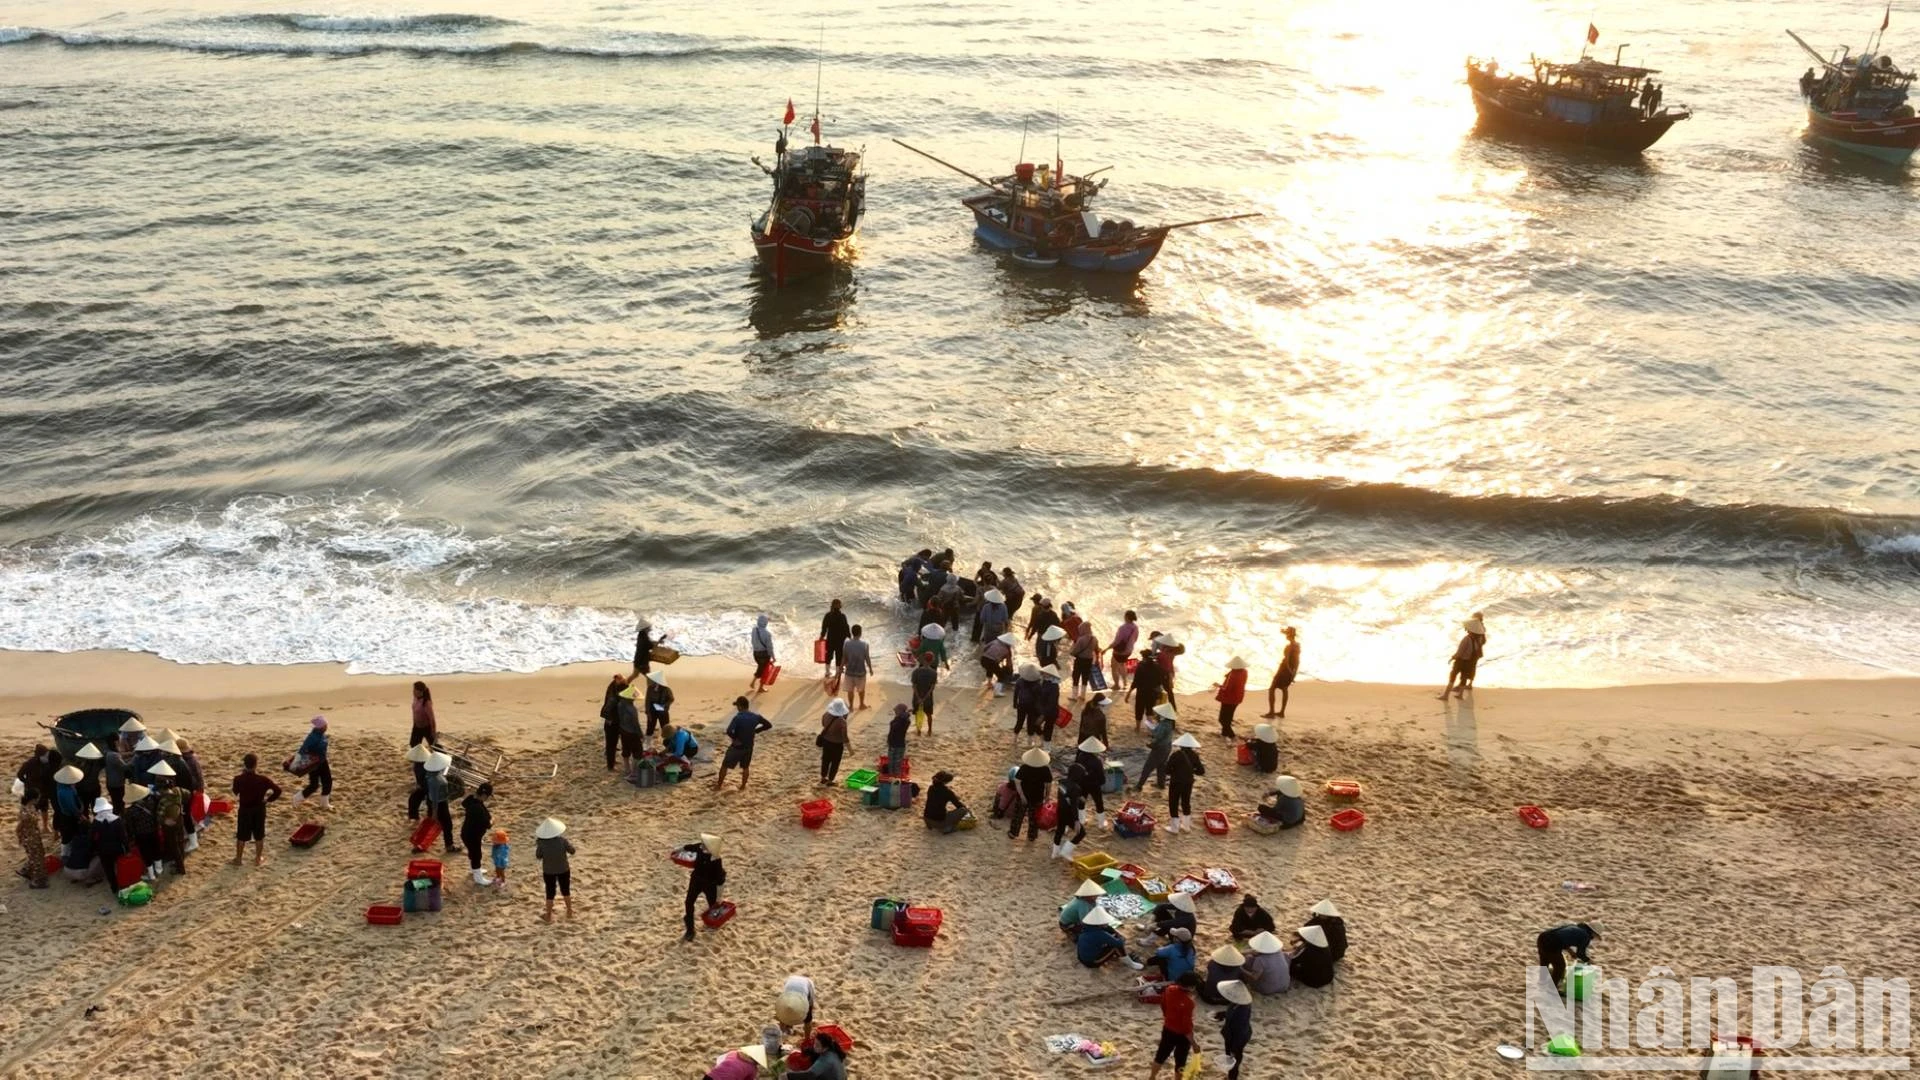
(1694, 810)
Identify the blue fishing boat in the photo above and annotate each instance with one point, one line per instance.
(1039, 213)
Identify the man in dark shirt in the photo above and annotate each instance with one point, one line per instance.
(255, 791)
(925, 678)
(1553, 945)
(740, 732)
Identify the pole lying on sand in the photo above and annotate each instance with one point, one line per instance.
(951, 165)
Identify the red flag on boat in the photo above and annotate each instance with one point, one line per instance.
(789, 118)
(1887, 19)
(1593, 34)
(815, 127)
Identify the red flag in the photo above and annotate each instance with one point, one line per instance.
(1886, 19)
(815, 127)
(1059, 170)
(1593, 34)
(789, 118)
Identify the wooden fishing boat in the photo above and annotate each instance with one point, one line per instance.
(819, 195)
(1037, 213)
(1592, 103)
(1859, 103)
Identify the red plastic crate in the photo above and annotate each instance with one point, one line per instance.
(1535, 817)
(1243, 753)
(888, 772)
(307, 835)
(719, 914)
(1065, 718)
(424, 868)
(682, 858)
(1204, 884)
(424, 834)
(219, 807)
(1216, 822)
(385, 915)
(773, 674)
(1348, 820)
(819, 650)
(1343, 789)
(916, 927)
(815, 814)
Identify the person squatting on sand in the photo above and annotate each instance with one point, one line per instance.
(709, 874)
(741, 730)
(1284, 805)
(1076, 908)
(1249, 918)
(1327, 917)
(944, 810)
(1097, 942)
(1265, 748)
(554, 850)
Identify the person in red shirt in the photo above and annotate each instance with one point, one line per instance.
(1176, 1024)
(250, 817)
(1232, 693)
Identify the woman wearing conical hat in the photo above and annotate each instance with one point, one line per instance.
(1312, 962)
(1233, 691)
(1236, 1022)
(1466, 656)
(1034, 778)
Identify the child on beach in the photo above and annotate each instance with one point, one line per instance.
(500, 859)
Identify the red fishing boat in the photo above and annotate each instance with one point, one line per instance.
(1589, 102)
(1859, 103)
(819, 195)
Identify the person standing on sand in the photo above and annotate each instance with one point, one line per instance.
(143, 828)
(27, 831)
(319, 768)
(173, 816)
(984, 582)
(835, 631)
(1236, 1023)
(37, 774)
(1148, 686)
(1093, 717)
(740, 734)
(553, 849)
(1125, 636)
(609, 718)
(1284, 676)
(856, 662)
(709, 874)
(1026, 702)
(897, 736)
(1085, 652)
(1176, 1025)
(761, 642)
(1466, 656)
(1232, 692)
(1047, 706)
(1013, 592)
(1033, 778)
(253, 792)
(832, 740)
(1159, 746)
(632, 729)
(437, 807)
(1182, 766)
(417, 755)
(925, 678)
(643, 643)
(425, 729)
(659, 706)
(475, 823)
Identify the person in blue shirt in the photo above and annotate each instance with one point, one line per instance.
(1176, 957)
(1098, 943)
(679, 742)
(740, 733)
(319, 768)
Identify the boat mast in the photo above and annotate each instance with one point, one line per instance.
(819, 62)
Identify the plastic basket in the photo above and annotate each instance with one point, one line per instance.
(424, 868)
(1535, 817)
(861, 779)
(1216, 822)
(307, 835)
(1065, 719)
(682, 858)
(1344, 789)
(815, 814)
(719, 914)
(385, 915)
(1191, 884)
(1087, 867)
(890, 771)
(219, 807)
(1261, 825)
(1348, 820)
(1243, 753)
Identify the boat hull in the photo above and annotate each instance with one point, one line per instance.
(788, 254)
(1129, 257)
(1614, 136)
(1888, 140)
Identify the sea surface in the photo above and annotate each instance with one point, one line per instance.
(427, 338)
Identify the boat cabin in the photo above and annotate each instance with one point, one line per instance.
(1590, 91)
(819, 190)
(1869, 86)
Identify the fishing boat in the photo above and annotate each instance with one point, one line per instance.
(1043, 216)
(1859, 103)
(819, 195)
(1614, 107)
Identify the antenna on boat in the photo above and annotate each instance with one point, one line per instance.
(1023, 139)
(1873, 45)
(819, 65)
(1058, 165)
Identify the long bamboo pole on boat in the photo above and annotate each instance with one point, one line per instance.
(1821, 60)
(1202, 221)
(951, 165)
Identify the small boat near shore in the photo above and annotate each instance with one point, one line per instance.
(1859, 103)
(1039, 214)
(1613, 107)
(819, 196)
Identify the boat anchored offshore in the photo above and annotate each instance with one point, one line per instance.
(1043, 217)
(819, 195)
(1859, 103)
(1589, 102)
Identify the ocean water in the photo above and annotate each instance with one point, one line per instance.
(428, 338)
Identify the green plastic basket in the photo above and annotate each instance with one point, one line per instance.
(861, 779)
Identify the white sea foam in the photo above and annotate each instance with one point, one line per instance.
(11, 34)
(274, 580)
(1904, 544)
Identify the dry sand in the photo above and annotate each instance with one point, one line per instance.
(1725, 825)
